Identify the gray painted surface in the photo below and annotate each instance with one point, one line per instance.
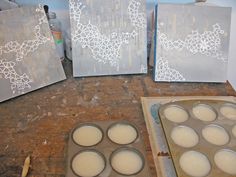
(28, 59)
(192, 43)
(108, 37)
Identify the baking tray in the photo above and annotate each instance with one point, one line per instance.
(107, 148)
(203, 146)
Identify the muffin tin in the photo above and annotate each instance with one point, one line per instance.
(198, 123)
(106, 149)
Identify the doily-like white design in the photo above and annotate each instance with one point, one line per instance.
(18, 82)
(7, 68)
(208, 43)
(137, 19)
(40, 13)
(26, 46)
(164, 73)
(104, 48)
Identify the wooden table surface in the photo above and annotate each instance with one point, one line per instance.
(38, 123)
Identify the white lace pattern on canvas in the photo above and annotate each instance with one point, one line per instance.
(7, 68)
(164, 73)
(18, 82)
(104, 48)
(208, 43)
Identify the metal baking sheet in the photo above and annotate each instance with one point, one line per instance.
(203, 146)
(107, 147)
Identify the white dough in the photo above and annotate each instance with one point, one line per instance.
(234, 130)
(88, 164)
(176, 114)
(204, 112)
(215, 134)
(229, 112)
(195, 164)
(122, 133)
(87, 135)
(226, 161)
(184, 136)
(127, 162)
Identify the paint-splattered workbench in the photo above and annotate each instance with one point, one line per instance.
(38, 124)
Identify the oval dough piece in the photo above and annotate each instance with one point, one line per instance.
(226, 161)
(127, 162)
(195, 164)
(215, 134)
(176, 114)
(204, 112)
(229, 111)
(184, 136)
(88, 164)
(87, 135)
(122, 133)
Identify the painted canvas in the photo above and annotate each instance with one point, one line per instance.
(108, 37)
(28, 58)
(191, 43)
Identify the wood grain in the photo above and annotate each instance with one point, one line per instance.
(38, 124)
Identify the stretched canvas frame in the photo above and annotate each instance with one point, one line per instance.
(28, 58)
(109, 37)
(191, 43)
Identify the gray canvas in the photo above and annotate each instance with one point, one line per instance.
(192, 43)
(108, 37)
(28, 58)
